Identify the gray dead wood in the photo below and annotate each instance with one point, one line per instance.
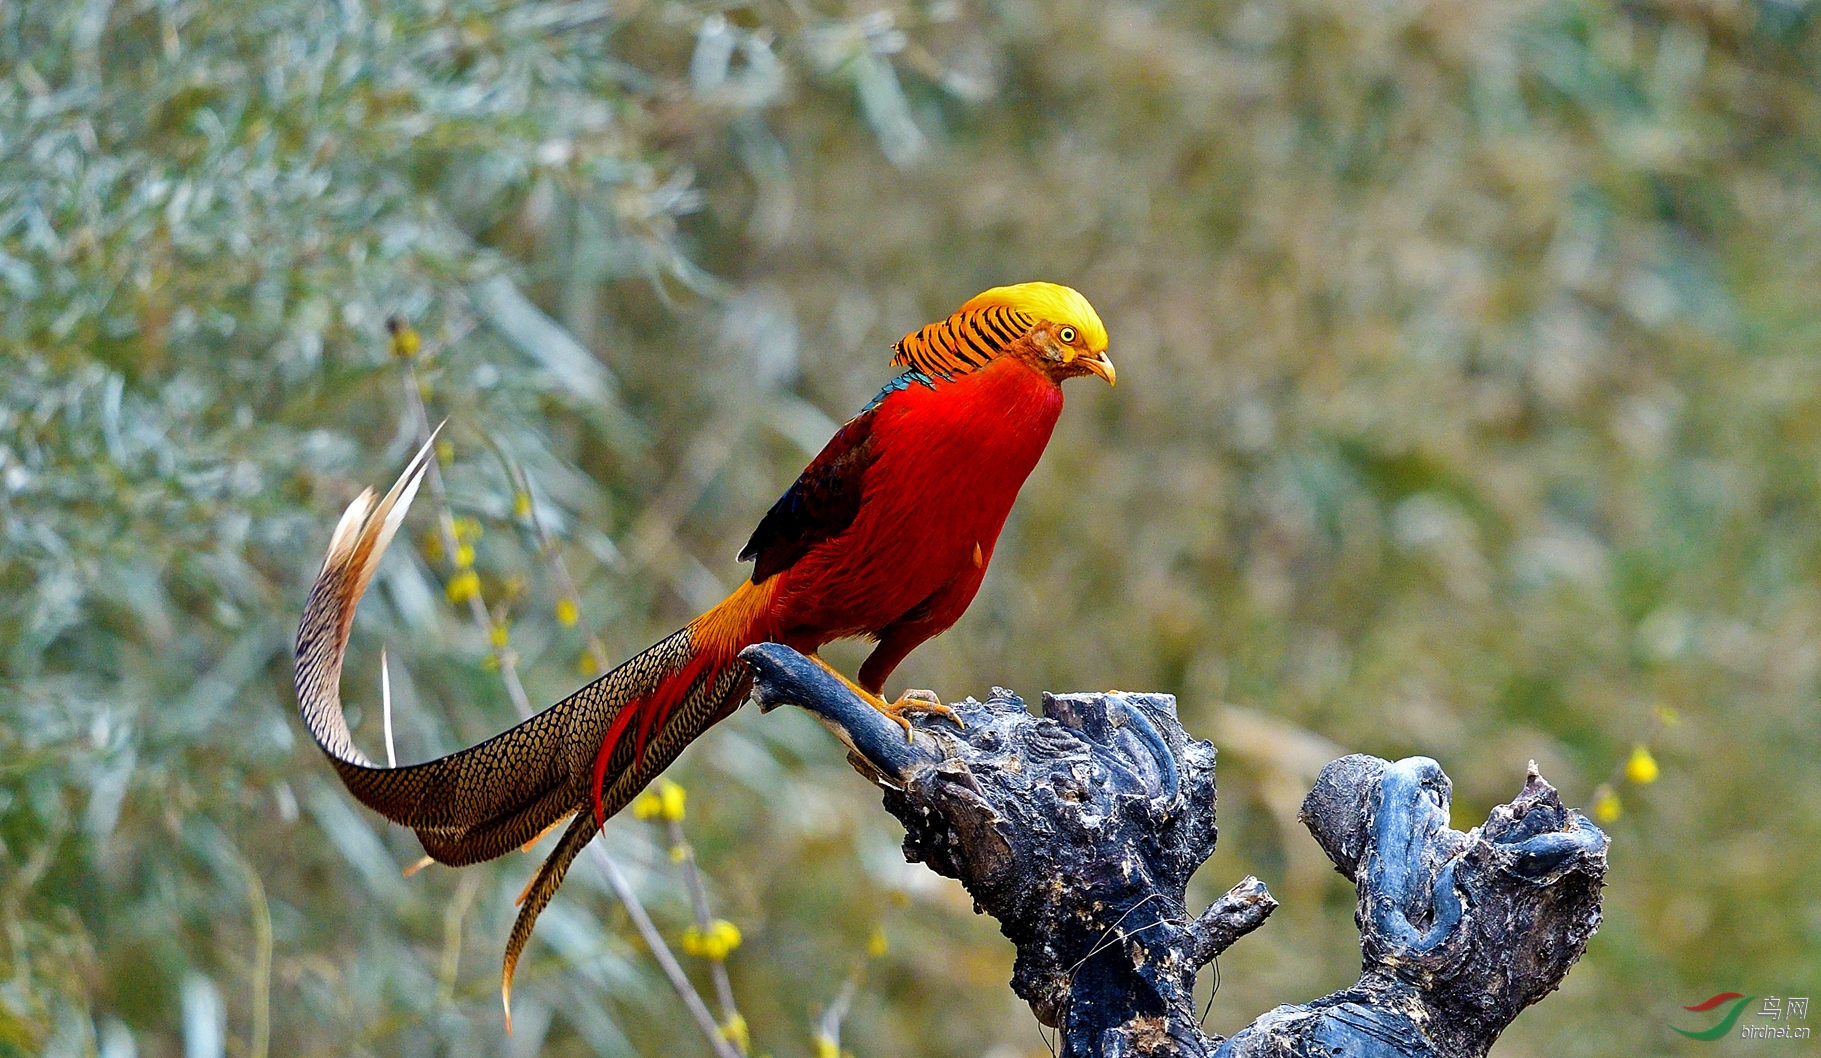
(1078, 831)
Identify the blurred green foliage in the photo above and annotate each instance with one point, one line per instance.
(1469, 406)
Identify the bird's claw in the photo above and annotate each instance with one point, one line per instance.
(918, 700)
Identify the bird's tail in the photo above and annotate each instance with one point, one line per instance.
(589, 754)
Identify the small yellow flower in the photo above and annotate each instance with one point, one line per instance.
(433, 547)
(736, 1033)
(521, 505)
(876, 945)
(445, 452)
(499, 635)
(714, 943)
(724, 935)
(826, 1047)
(405, 342)
(1606, 805)
(673, 797)
(464, 556)
(679, 853)
(566, 613)
(585, 665)
(662, 801)
(467, 528)
(463, 586)
(1642, 767)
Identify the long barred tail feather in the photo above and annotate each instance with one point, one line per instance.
(501, 794)
(543, 886)
(702, 704)
(483, 801)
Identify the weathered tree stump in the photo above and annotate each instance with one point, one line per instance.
(1078, 831)
(1459, 931)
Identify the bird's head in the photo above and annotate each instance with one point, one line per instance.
(1067, 339)
(1048, 326)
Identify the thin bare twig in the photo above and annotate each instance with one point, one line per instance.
(453, 918)
(445, 520)
(698, 896)
(553, 557)
(661, 951)
(261, 1035)
(828, 1029)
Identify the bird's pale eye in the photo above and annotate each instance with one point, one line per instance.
(1067, 334)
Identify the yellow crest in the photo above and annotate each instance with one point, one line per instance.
(1048, 301)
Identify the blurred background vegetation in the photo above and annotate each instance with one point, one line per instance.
(1469, 406)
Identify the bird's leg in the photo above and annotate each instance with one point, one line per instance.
(912, 701)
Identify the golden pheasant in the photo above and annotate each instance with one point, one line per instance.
(885, 535)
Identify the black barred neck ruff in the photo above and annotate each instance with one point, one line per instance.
(962, 343)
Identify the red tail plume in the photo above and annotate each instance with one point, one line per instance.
(717, 637)
(652, 711)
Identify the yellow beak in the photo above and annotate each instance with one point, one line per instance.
(1103, 367)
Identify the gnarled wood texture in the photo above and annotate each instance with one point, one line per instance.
(1078, 830)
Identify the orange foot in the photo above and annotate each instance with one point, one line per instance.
(912, 701)
(915, 701)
